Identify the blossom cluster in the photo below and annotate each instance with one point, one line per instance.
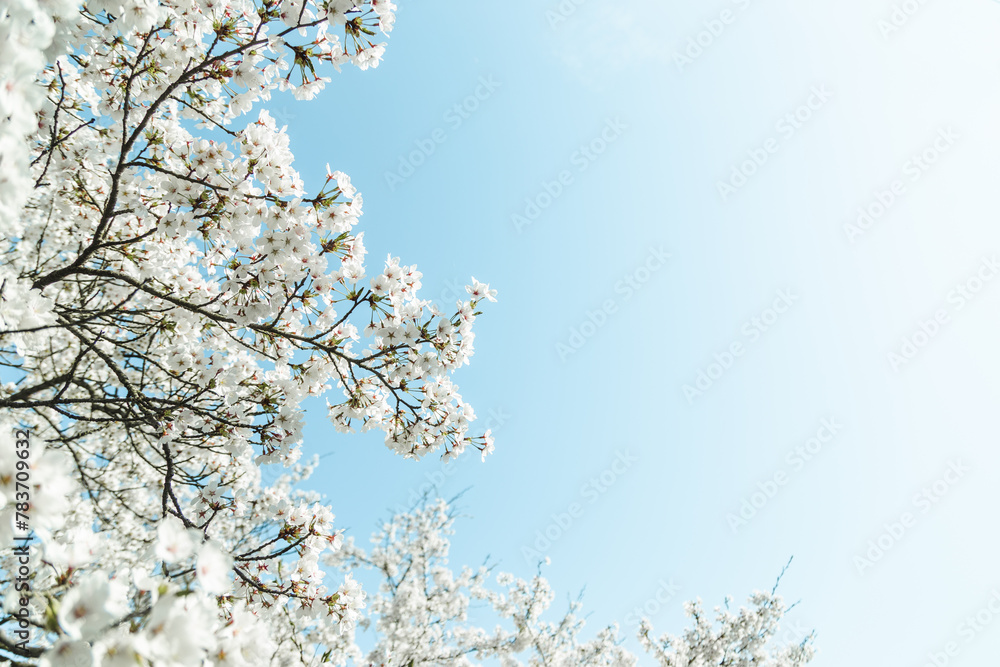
(169, 296)
(420, 613)
(31, 32)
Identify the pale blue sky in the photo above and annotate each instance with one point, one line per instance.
(675, 132)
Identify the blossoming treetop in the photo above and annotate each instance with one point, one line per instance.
(166, 302)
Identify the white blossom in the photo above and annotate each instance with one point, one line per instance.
(213, 569)
(170, 294)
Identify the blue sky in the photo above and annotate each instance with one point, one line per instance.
(807, 113)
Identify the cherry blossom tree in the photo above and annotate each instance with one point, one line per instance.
(169, 295)
(420, 613)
